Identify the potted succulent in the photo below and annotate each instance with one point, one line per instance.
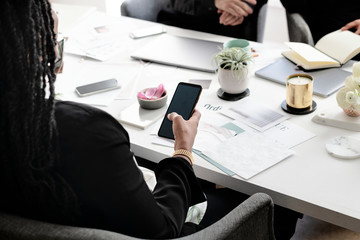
(233, 68)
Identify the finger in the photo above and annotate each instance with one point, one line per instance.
(225, 18)
(236, 9)
(252, 2)
(239, 8)
(348, 26)
(196, 116)
(238, 21)
(231, 20)
(246, 8)
(172, 116)
(357, 31)
(233, 10)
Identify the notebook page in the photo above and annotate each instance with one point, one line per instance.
(340, 45)
(309, 53)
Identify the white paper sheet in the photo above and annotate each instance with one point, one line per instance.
(208, 136)
(100, 42)
(254, 114)
(248, 154)
(288, 134)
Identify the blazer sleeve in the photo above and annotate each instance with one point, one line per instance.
(193, 7)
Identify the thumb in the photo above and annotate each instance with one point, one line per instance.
(172, 116)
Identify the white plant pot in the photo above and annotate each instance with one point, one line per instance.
(230, 83)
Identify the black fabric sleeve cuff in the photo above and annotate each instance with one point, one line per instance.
(197, 195)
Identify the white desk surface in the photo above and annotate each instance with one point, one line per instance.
(311, 181)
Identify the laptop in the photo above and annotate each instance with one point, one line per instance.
(326, 81)
(182, 52)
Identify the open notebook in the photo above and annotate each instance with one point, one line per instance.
(332, 50)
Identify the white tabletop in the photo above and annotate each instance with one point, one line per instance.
(311, 181)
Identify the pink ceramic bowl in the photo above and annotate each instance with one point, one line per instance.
(152, 103)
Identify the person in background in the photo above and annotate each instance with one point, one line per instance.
(233, 18)
(325, 16)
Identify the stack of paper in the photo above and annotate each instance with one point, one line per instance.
(257, 139)
(247, 154)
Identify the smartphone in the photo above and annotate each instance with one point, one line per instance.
(145, 32)
(97, 87)
(183, 103)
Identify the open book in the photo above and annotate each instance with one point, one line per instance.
(332, 50)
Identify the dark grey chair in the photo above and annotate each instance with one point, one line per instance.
(261, 23)
(299, 30)
(251, 220)
(143, 9)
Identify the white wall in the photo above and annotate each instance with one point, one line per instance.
(276, 25)
(113, 7)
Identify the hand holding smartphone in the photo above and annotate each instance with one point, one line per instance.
(183, 103)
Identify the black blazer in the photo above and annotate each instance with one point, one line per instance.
(97, 163)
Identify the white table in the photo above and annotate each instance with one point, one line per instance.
(311, 181)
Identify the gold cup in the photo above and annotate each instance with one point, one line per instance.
(299, 91)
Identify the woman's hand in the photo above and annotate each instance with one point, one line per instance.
(236, 8)
(184, 131)
(228, 19)
(354, 24)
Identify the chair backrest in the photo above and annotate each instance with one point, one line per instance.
(261, 23)
(299, 30)
(143, 9)
(252, 219)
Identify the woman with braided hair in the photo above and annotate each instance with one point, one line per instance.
(69, 163)
(27, 118)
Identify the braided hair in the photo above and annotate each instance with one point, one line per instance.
(28, 152)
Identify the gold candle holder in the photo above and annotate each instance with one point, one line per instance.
(299, 91)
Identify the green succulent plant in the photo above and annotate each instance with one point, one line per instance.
(234, 59)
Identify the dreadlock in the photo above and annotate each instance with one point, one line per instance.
(28, 134)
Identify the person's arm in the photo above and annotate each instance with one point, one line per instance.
(112, 193)
(354, 24)
(193, 7)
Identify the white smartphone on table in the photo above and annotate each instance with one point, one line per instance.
(145, 32)
(97, 87)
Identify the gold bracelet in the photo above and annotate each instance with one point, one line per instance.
(185, 153)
